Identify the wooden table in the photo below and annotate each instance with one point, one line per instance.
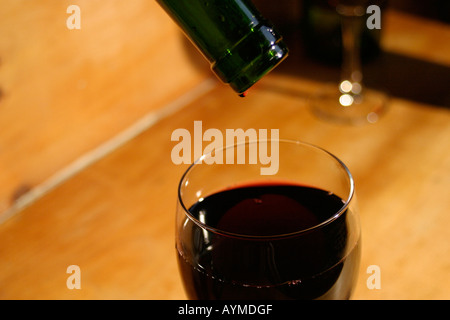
(114, 218)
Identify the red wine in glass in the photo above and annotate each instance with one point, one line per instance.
(290, 235)
(273, 260)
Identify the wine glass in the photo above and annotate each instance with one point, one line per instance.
(291, 234)
(350, 101)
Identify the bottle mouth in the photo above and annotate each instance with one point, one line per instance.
(259, 68)
(251, 58)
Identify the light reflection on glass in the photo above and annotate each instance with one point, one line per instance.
(346, 100)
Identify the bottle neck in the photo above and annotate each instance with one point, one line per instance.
(239, 43)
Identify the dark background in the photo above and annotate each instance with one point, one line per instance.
(398, 75)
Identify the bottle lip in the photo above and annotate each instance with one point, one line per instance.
(251, 58)
(259, 68)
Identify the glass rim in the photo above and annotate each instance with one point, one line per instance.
(218, 231)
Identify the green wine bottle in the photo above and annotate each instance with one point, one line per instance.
(241, 45)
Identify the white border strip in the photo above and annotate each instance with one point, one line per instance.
(106, 148)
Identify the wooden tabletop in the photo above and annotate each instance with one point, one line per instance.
(114, 218)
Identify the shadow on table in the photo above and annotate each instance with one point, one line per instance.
(398, 75)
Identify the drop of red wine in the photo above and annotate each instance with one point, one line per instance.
(243, 94)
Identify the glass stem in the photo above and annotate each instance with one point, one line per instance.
(351, 60)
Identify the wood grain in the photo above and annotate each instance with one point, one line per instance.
(115, 219)
(64, 92)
